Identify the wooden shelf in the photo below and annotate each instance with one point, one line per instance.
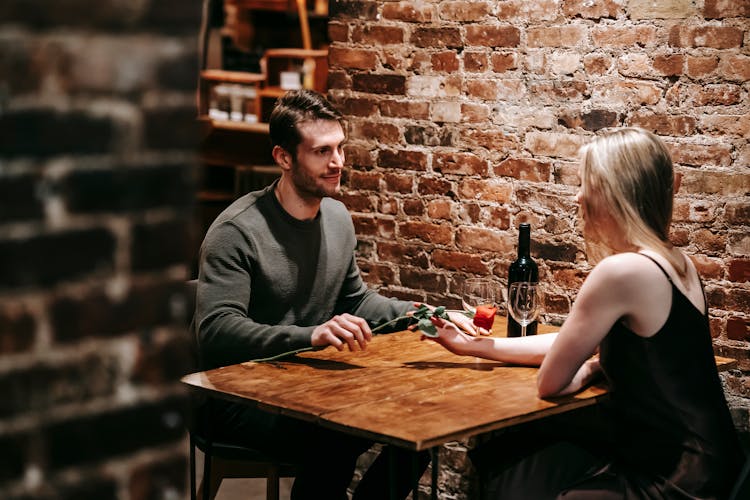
(256, 128)
(220, 75)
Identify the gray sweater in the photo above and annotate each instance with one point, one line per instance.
(267, 280)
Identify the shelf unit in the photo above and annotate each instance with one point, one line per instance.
(234, 105)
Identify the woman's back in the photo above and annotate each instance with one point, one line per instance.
(674, 429)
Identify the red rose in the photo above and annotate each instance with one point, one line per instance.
(484, 317)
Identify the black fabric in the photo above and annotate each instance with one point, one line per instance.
(326, 459)
(671, 432)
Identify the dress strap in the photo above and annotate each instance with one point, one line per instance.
(659, 265)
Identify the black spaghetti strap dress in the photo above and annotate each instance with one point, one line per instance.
(674, 436)
(667, 429)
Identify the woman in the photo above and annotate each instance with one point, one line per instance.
(643, 310)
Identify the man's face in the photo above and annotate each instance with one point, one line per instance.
(316, 172)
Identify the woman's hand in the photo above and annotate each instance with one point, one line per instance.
(451, 337)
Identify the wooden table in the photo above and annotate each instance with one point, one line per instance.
(401, 391)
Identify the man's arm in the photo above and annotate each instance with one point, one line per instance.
(356, 299)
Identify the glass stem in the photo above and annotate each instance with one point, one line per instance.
(523, 330)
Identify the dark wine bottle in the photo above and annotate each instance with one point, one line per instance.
(522, 269)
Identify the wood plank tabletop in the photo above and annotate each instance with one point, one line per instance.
(400, 390)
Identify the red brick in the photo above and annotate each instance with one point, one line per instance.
(702, 154)
(458, 261)
(379, 84)
(464, 11)
(377, 274)
(17, 327)
(643, 36)
(358, 202)
(503, 61)
(488, 190)
(493, 139)
(413, 207)
(356, 106)
(440, 209)
(556, 36)
(339, 80)
(735, 67)
(403, 254)
(739, 270)
(338, 32)
(385, 133)
(737, 212)
(374, 226)
(429, 135)
(726, 125)
(555, 201)
(679, 125)
(472, 239)
(388, 205)
(437, 38)
(708, 242)
(352, 58)
(719, 9)
(422, 280)
(475, 62)
(716, 37)
(498, 217)
(592, 10)
(669, 65)
(407, 160)
(554, 144)
(399, 183)
(593, 120)
(482, 89)
(738, 329)
(701, 66)
(708, 267)
(375, 36)
(566, 173)
(597, 64)
(358, 156)
(434, 186)
(525, 169)
(708, 95)
(624, 93)
(550, 92)
(365, 180)
(444, 61)
(359, 10)
(405, 109)
(492, 36)
(440, 234)
(459, 163)
(408, 12)
(474, 112)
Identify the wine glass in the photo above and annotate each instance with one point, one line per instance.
(480, 292)
(524, 303)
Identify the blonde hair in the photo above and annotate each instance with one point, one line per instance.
(628, 177)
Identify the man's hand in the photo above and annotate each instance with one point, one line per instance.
(342, 330)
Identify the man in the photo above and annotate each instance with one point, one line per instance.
(278, 273)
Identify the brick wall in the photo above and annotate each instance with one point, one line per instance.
(466, 117)
(96, 166)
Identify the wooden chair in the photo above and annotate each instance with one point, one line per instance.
(222, 460)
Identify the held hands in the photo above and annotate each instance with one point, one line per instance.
(343, 330)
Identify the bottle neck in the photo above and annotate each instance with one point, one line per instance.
(524, 240)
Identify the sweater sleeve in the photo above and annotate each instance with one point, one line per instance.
(225, 333)
(355, 298)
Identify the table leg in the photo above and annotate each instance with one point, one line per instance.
(435, 452)
(392, 466)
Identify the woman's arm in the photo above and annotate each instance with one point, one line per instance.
(616, 288)
(528, 351)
